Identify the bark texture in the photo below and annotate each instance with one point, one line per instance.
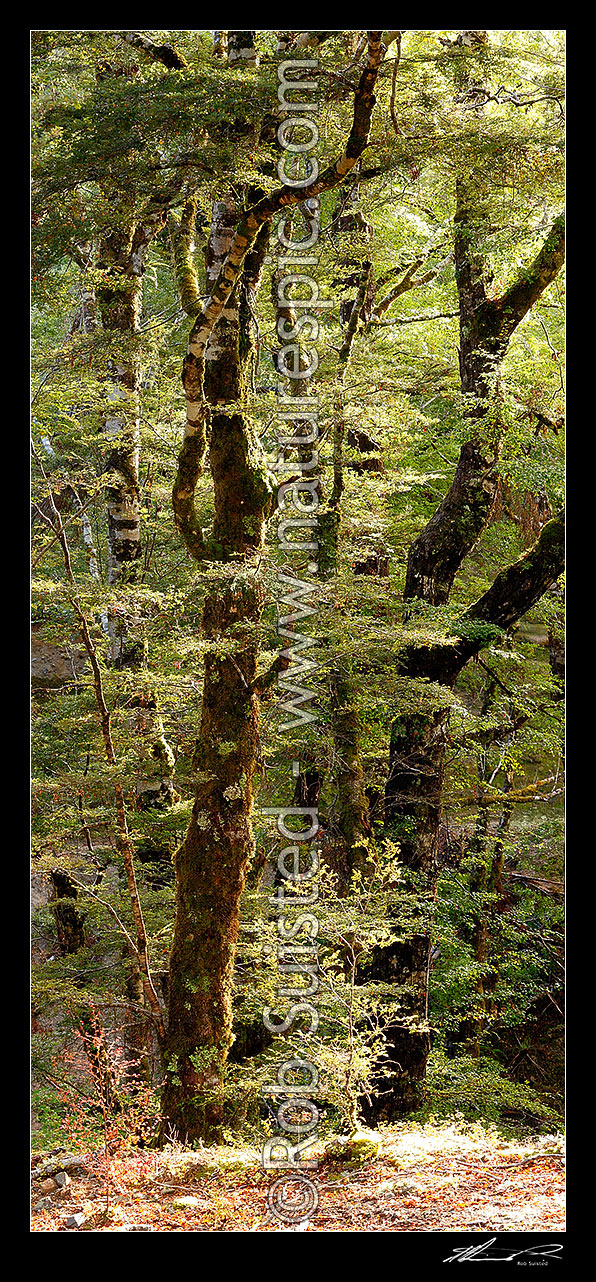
(122, 263)
(212, 862)
(486, 326)
(211, 868)
(414, 794)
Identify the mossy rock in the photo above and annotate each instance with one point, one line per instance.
(361, 1146)
(364, 1144)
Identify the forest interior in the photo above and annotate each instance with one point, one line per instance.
(297, 631)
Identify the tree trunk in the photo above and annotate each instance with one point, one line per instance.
(210, 872)
(416, 755)
(119, 308)
(486, 326)
(211, 868)
(412, 816)
(70, 921)
(122, 259)
(346, 843)
(212, 862)
(485, 879)
(413, 803)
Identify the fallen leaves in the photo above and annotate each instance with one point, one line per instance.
(448, 1180)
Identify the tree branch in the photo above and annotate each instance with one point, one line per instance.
(514, 591)
(192, 455)
(407, 282)
(509, 310)
(285, 197)
(182, 231)
(159, 53)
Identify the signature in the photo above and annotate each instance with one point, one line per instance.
(549, 1250)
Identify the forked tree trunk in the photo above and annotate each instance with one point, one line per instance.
(416, 754)
(212, 862)
(413, 806)
(486, 327)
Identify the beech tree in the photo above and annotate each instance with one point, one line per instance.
(209, 883)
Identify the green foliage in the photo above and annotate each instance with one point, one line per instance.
(478, 1090)
(108, 148)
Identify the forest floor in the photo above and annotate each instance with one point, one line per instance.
(425, 1179)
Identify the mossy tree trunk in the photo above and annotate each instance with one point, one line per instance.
(486, 327)
(70, 921)
(211, 868)
(417, 744)
(121, 262)
(212, 863)
(413, 802)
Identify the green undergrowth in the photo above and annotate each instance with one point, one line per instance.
(478, 1090)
